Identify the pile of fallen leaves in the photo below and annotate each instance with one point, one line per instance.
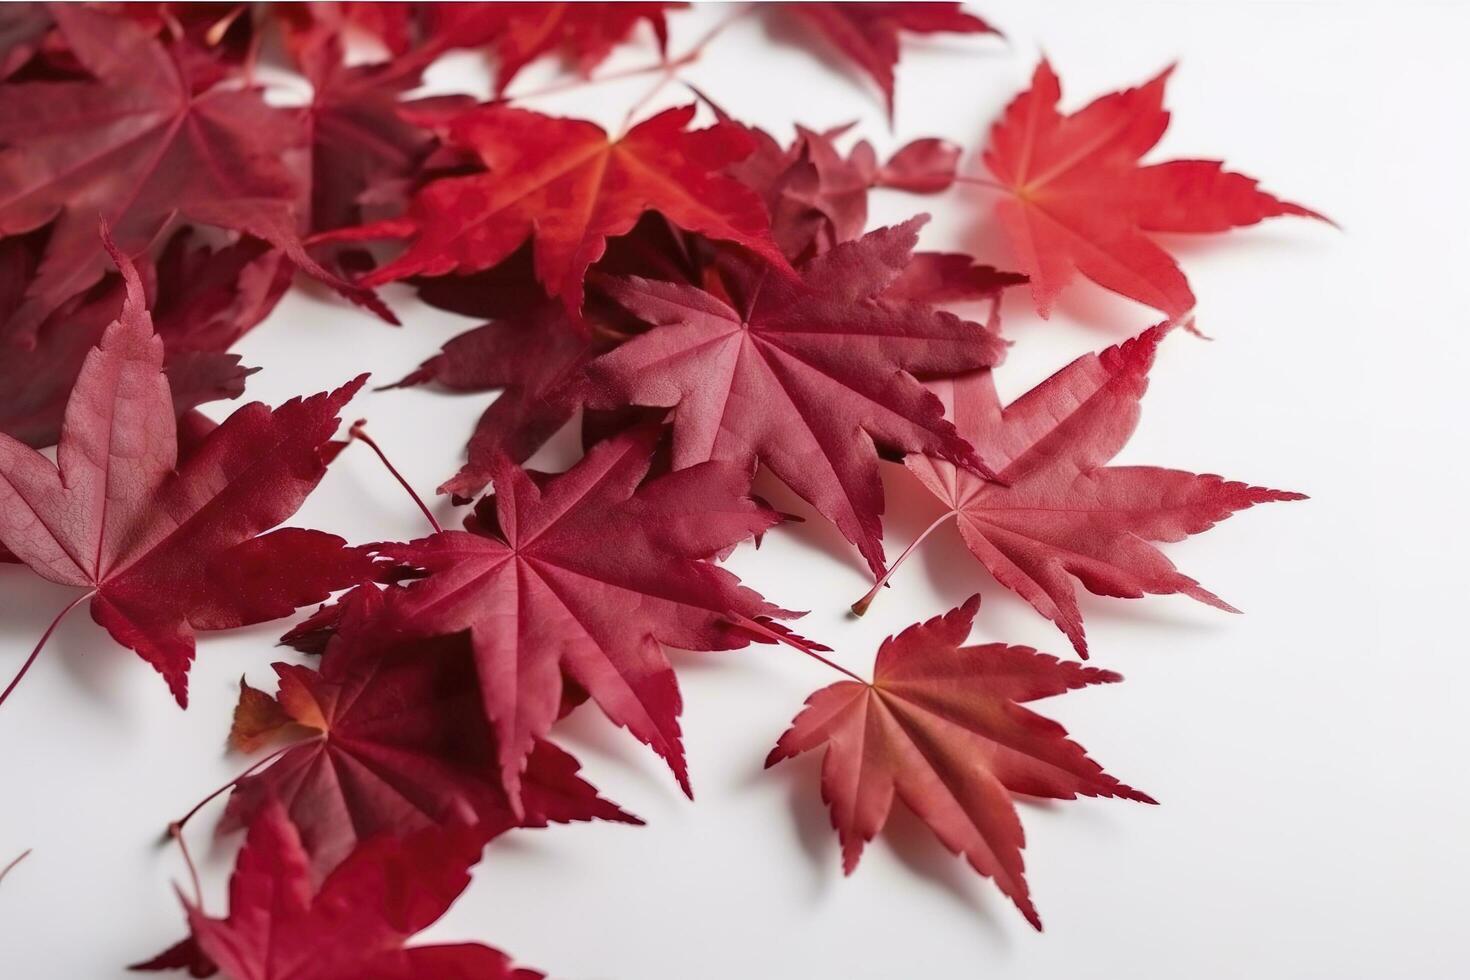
(702, 299)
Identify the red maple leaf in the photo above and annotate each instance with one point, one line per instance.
(1060, 512)
(562, 184)
(396, 741)
(153, 135)
(1081, 201)
(807, 376)
(164, 552)
(867, 33)
(353, 927)
(588, 574)
(519, 33)
(942, 726)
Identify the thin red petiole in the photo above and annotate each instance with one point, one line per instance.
(6, 870)
(647, 97)
(178, 825)
(42, 642)
(713, 33)
(177, 833)
(668, 66)
(776, 636)
(360, 434)
(573, 84)
(861, 606)
(671, 68)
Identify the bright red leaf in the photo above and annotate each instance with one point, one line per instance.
(809, 377)
(282, 926)
(1081, 201)
(164, 552)
(152, 136)
(562, 184)
(1059, 511)
(942, 726)
(588, 574)
(393, 740)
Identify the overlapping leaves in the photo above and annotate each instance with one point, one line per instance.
(706, 299)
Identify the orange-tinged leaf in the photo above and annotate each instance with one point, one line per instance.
(563, 184)
(942, 727)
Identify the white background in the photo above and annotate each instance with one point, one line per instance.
(1310, 755)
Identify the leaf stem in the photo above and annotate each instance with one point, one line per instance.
(360, 434)
(666, 65)
(572, 84)
(693, 53)
(861, 606)
(177, 826)
(42, 642)
(775, 636)
(176, 831)
(6, 870)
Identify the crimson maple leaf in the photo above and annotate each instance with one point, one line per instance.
(154, 134)
(1081, 201)
(206, 298)
(588, 574)
(806, 376)
(519, 33)
(867, 33)
(353, 927)
(563, 185)
(164, 552)
(942, 726)
(1059, 511)
(395, 741)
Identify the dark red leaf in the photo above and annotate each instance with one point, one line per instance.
(393, 739)
(152, 135)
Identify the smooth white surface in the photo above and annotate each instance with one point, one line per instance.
(1310, 755)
